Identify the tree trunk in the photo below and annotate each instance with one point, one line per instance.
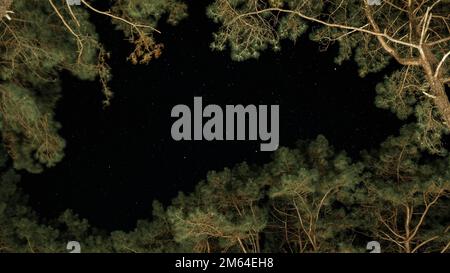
(441, 101)
(437, 85)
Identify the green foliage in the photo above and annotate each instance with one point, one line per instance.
(248, 35)
(315, 186)
(32, 57)
(29, 129)
(408, 198)
(155, 236)
(402, 93)
(398, 95)
(47, 37)
(148, 13)
(371, 35)
(22, 231)
(308, 199)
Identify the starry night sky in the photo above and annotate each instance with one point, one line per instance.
(119, 159)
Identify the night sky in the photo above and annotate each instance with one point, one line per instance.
(119, 159)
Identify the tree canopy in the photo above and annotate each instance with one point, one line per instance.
(414, 34)
(43, 38)
(310, 198)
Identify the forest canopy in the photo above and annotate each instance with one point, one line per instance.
(33, 57)
(413, 34)
(310, 198)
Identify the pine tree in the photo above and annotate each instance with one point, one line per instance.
(415, 34)
(408, 196)
(42, 38)
(155, 236)
(308, 199)
(313, 197)
(223, 214)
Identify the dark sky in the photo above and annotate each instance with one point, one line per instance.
(120, 159)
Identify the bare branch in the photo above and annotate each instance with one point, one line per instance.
(79, 42)
(388, 48)
(136, 26)
(441, 63)
(341, 26)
